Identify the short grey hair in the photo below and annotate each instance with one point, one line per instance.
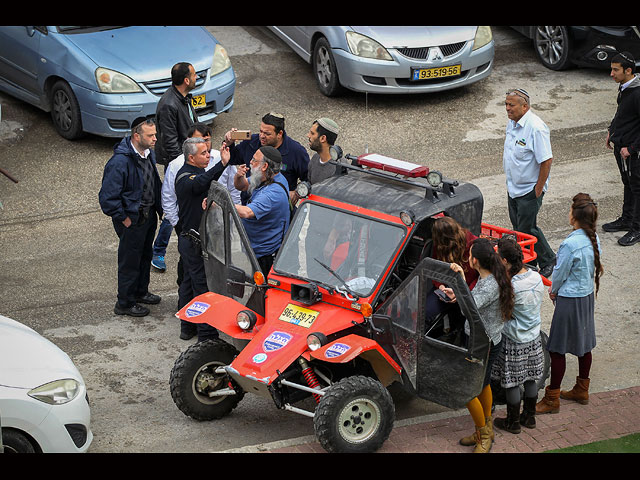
(190, 146)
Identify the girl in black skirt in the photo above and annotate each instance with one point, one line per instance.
(572, 291)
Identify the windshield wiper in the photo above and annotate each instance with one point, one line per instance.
(344, 284)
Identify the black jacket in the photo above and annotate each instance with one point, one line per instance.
(121, 191)
(173, 121)
(624, 130)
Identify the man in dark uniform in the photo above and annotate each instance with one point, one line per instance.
(130, 195)
(624, 133)
(192, 185)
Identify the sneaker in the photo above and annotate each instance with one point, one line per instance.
(618, 225)
(134, 311)
(149, 298)
(158, 263)
(629, 238)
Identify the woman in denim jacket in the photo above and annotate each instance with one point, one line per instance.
(572, 290)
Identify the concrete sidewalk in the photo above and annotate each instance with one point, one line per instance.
(608, 415)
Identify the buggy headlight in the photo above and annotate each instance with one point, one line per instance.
(303, 189)
(246, 319)
(316, 340)
(57, 392)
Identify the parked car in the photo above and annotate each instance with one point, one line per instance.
(561, 47)
(99, 79)
(44, 405)
(407, 59)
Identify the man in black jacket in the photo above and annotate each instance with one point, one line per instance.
(174, 116)
(130, 195)
(624, 133)
(192, 184)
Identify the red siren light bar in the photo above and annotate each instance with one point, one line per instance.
(388, 164)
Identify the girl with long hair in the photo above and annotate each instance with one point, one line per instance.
(521, 360)
(493, 295)
(577, 269)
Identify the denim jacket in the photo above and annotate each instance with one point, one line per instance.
(574, 271)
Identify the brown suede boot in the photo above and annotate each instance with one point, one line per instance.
(483, 440)
(579, 393)
(550, 403)
(471, 439)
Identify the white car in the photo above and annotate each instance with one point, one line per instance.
(44, 405)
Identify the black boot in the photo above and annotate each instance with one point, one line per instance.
(512, 422)
(528, 415)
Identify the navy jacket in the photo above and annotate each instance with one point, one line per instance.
(121, 191)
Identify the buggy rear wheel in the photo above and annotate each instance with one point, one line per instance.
(194, 378)
(355, 415)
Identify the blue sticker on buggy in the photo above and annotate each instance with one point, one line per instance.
(276, 341)
(196, 308)
(336, 350)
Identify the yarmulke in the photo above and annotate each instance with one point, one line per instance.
(328, 124)
(271, 153)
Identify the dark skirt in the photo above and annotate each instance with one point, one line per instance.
(572, 326)
(518, 362)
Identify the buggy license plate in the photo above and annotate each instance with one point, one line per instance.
(199, 101)
(438, 72)
(298, 315)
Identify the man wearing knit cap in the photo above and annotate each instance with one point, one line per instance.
(266, 215)
(322, 136)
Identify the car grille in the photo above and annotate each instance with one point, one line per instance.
(158, 87)
(422, 53)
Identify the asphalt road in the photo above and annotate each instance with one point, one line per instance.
(58, 260)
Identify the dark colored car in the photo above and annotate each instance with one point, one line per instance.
(562, 47)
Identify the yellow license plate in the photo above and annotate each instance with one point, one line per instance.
(438, 72)
(199, 101)
(298, 315)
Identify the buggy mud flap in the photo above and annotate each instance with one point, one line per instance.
(352, 346)
(219, 312)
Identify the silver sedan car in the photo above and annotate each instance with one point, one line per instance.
(406, 59)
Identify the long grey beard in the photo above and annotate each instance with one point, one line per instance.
(255, 179)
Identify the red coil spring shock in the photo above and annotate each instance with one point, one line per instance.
(310, 377)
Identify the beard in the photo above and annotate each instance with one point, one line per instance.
(255, 179)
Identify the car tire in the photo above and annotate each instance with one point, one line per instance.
(553, 46)
(14, 441)
(65, 111)
(193, 377)
(324, 69)
(355, 415)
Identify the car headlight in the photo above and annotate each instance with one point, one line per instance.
(57, 392)
(221, 61)
(363, 46)
(246, 319)
(483, 36)
(110, 81)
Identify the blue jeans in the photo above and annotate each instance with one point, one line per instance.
(162, 239)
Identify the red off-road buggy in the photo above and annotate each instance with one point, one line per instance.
(341, 316)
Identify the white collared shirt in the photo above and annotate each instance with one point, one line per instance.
(527, 144)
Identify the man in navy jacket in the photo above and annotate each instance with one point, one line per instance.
(130, 195)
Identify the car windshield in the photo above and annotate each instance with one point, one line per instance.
(338, 249)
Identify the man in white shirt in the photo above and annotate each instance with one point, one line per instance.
(527, 162)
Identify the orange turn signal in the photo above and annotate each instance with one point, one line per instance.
(258, 278)
(366, 310)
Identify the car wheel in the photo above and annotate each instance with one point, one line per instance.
(552, 46)
(65, 111)
(194, 378)
(324, 68)
(15, 442)
(355, 415)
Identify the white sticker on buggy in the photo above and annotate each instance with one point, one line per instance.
(259, 357)
(276, 341)
(336, 350)
(196, 308)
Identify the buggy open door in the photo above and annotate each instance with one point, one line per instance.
(441, 365)
(229, 259)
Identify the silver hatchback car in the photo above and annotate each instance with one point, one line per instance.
(382, 59)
